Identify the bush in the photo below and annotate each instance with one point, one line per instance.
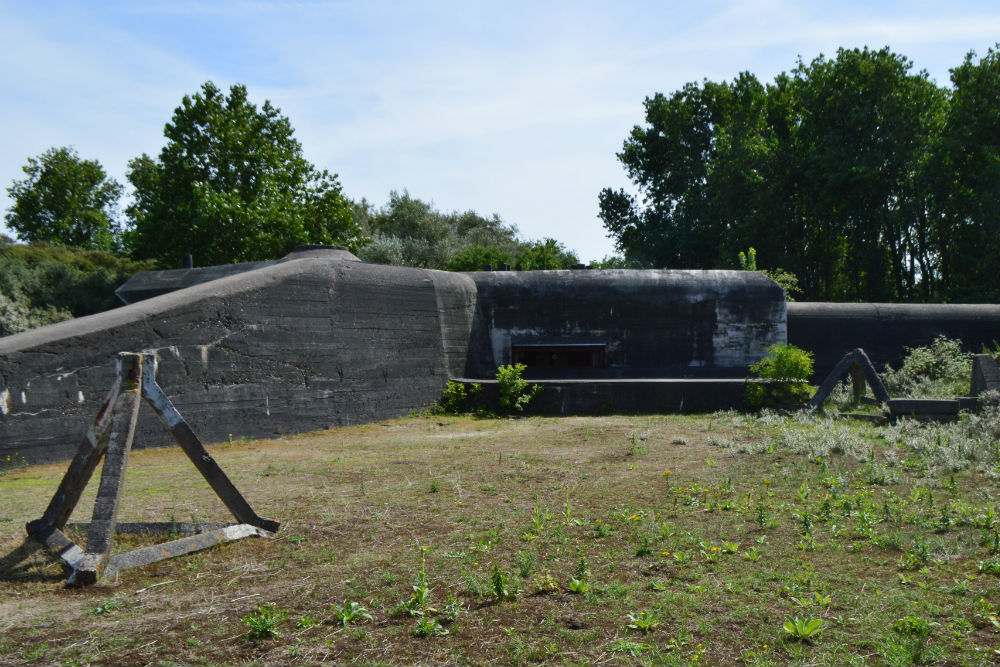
(515, 394)
(788, 369)
(41, 284)
(458, 398)
(940, 370)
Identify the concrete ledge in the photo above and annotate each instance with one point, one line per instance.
(597, 396)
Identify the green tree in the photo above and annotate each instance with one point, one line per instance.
(825, 170)
(475, 257)
(410, 232)
(231, 185)
(546, 254)
(966, 183)
(65, 200)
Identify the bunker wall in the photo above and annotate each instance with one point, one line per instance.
(885, 330)
(295, 346)
(652, 323)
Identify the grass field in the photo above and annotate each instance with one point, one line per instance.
(662, 540)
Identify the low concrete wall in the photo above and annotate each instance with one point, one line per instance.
(601, 396)
(295, 346)
(885, 330)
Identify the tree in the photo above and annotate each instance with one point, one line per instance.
(232, 185)
(547, 254)
(475, 257)
(966, 183)
(65, 200)
(410, 232)
(825, 170)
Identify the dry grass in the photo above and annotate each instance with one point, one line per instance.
(528, 496)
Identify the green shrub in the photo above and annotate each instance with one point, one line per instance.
(42, 284)
(939, 370)
(787, 368)
(515, 394)
(458, 397)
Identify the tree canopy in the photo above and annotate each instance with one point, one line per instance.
(230, 185)
(410, 232)
(856, 173)
(65, 200)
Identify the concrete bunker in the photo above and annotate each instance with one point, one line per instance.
(319, 339)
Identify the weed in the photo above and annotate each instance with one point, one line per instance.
(634, 448)
(940, 370)
(451, 609)
(578, 586)
(544, 582)
(525, 563)
(802, 628)
(990, 566)
(628, 647)
(644, 621)
(502, 588)
(645, 547)
(263, 624)
(307, 622)
(106, 607)
(917, 630)
(350, 612)
(428, 627)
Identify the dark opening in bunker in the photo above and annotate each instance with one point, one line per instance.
(563, 355)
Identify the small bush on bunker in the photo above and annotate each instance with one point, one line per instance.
(458, 398)
(515, 393)
(939, 370)
(788, 369)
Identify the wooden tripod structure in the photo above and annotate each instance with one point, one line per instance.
(110, 437)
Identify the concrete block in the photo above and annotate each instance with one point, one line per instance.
(985, 374)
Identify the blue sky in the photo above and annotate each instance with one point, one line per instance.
(510, 108)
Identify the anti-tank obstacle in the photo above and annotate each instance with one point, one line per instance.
(110, 437)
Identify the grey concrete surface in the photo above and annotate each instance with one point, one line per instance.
(304, 344)
(985, 374)
(654, 323)
(885, 330)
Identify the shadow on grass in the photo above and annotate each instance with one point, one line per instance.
(29, 563)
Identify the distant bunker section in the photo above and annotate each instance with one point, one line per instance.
(624, 323)
(886, 330)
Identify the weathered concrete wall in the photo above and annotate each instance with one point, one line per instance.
(298, 345)
(884, 330)
(655, 323)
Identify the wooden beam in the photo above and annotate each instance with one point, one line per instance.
(185, 545)
(81, 469)
(102, 526)
(195, 451)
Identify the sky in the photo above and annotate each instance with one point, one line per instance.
(513, 108)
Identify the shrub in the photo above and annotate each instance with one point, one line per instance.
(788, 368)
(515, 394)
(457, 397)
(42, 284)
(939, 370)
